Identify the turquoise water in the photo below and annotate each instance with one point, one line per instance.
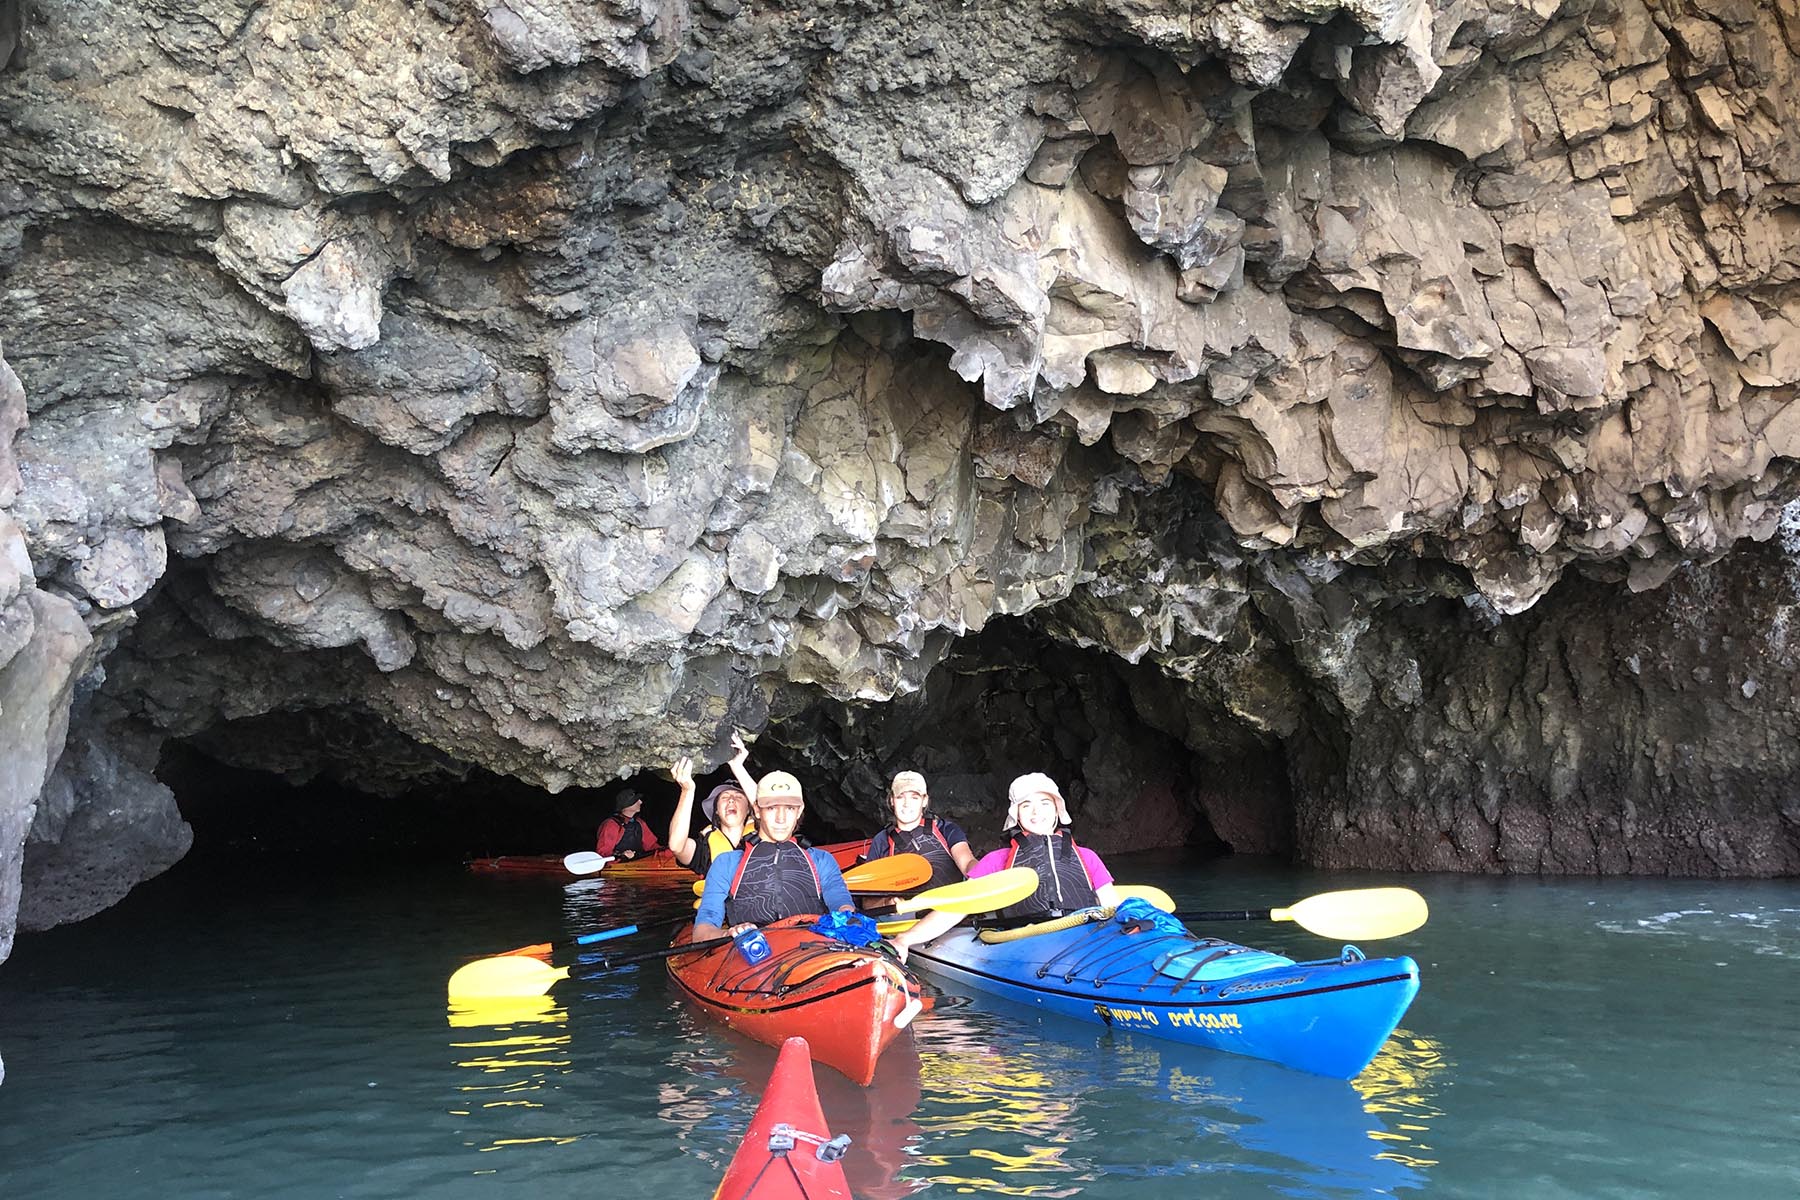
(289, 1039)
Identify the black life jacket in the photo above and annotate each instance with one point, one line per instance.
(927, 839)
(1063, 882)
(773, 880)
(632, 835)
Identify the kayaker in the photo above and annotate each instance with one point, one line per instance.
(624, 835)
(770, 876)
(941, 841)
(727, 811)
(1070, 877)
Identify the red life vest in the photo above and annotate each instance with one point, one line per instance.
(927, 840)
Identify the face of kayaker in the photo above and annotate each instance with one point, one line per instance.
(777, 817)
(1037, 814)
(909, 808)
(730, 810)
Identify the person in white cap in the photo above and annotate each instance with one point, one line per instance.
(1070, 877)
(771, 876)
(940, 840)
(727, 810)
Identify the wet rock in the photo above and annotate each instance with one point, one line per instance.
(558, 411)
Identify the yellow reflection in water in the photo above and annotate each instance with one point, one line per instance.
(523, 1055)
(1400, 1088)
(977, 1092)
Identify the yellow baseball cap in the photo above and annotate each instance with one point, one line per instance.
(778, 785)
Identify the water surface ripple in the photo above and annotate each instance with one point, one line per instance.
(288, 1039)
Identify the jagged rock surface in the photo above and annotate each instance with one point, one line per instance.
(552, 387)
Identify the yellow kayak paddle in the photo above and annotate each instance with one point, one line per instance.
(1359, 915)
(982, 894)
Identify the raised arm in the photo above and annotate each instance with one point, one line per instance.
(681, 841)
(739, 771)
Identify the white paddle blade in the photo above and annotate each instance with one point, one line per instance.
(584, 862)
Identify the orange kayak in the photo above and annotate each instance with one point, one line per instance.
(849, 1001)
(787, 1153)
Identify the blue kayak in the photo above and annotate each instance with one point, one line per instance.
(1153, 976)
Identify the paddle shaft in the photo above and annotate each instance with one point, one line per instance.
(612, 964)
(1232, 914)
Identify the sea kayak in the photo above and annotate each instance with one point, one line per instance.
(787, 1151)
(1327, 1017)
(849, 1001)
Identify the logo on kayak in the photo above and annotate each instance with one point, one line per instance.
(1145, 1018)
(1238, 989)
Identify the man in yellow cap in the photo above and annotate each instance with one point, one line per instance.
(771, 876)
(942, 841)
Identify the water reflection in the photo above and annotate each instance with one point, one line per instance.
(723, 1076)
(1021, 1107)
(1398, 1090)
(520, 1046)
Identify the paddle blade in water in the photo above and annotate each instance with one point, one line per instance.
(1358, 915)
(883, 876)
(504, 975)
(984, 894)
(1154, 896)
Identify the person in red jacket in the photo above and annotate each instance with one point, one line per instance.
(624, 835)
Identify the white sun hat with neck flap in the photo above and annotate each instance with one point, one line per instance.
(1035, 784)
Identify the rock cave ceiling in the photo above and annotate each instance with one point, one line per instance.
(555, 385)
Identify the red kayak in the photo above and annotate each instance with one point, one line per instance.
(787, 1153)
(850, 1001)
(655, 867)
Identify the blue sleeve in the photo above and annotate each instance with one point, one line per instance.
(718, 885)
(831, 882)
(878, 846)
(953, 833)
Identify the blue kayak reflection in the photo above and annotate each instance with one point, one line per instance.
(1018, 1104)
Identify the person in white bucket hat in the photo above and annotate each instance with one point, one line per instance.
(1035, 784)
(1070, 877)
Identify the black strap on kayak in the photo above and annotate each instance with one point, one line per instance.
(1099, 957)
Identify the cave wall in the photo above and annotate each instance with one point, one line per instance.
(548, 391)
(1600, 733)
